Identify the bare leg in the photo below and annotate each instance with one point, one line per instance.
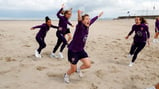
(86, 63)
(72, 69)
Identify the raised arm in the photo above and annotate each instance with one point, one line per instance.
(59, 12)
(95, 18)
(79, 15)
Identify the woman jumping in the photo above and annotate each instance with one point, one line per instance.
(63, 21)
(40, 37)
(141, 37)
(76, 50)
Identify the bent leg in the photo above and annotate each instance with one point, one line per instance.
(86, 63)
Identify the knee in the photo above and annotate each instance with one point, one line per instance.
(88, 65)
(44, 45)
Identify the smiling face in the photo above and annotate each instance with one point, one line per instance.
(86, 20)
(48, 23)
(137, 20)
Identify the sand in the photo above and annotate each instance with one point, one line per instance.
(106, 46)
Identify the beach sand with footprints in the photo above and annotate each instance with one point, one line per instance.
(106, 46)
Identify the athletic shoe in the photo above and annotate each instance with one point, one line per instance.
(37, 55)
(79, 73)
(66, 78)
(130, 56)
(131, 64)
(61, 55)
(155, 40)
(151, 88)
(53, 55)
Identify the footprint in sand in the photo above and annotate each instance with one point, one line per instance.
(5, 71)
(26, 45)
(99, 74)
(41, 68)
(9, 59)
(93, 86)
(92, 62)
(49, 74)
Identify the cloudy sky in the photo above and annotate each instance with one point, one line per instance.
(41, 8)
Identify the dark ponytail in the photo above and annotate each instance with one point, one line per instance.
(47, 18)
(143, 20)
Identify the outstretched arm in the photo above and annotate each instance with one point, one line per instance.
(39, 26)
(59, 12)
(53, 26)
(95, 18)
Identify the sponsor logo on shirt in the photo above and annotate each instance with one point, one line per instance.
(85, 38)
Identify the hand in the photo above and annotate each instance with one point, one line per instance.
(127, 37)
(60, 28)
(80, 12)
(32, 29)
(148, 41)
(62, 5)
(101, 14)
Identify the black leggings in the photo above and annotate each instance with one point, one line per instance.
(61, 39)
(136, 48)
(41, 42)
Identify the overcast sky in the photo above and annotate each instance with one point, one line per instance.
(41, 8)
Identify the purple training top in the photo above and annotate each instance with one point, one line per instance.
(141, 32)
(157, 26)
(44, 28)
(63, 21)
(80, 36)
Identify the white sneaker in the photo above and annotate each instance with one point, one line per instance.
(151, 88)
(79, 73)
(53, 55)
(131, 64)
(61, 55)
(130, 56)
(37, 55)
(66, 78)
(155, 40)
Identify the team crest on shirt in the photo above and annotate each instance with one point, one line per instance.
(73, 59)
(85, 38)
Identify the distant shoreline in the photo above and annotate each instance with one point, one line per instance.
(145, 16)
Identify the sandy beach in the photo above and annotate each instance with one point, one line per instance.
(106, 46)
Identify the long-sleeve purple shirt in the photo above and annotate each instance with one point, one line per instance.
(80, 36)
(157, 25)
(141, 32)
(63, 21)
(44, 28)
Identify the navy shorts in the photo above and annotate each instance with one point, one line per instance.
(74, 57)
(68, 31)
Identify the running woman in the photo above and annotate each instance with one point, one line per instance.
(76, 50)
(156, 31)
(63, 22)
(141, 37)
(40, 37)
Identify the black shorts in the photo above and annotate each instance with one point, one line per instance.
(74, 57)
(68, 31)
